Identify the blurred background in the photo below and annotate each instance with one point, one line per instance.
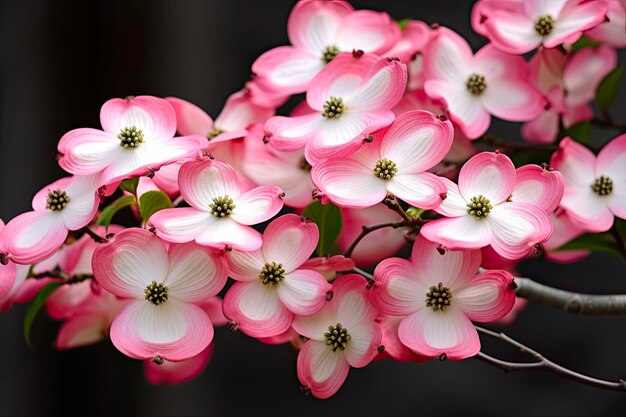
(60, 60)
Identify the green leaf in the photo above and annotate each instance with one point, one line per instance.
(584, 42)
(328, 219)
(415, 212)
(152, 201)
(130, 185)
(403, 23)
(580, 132)
(594, 242)
(107, 214)
(607, 90)
(35, 305)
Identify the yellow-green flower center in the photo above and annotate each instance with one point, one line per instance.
(222, 206)
(156, 293)
(337, 337)
(330, 53)
(438, 297)
(602, 186)
(57, 200)
(272, 273)
(385, 169)
(479, 207)
(130, 137)
(476, 84)
(544, 25)
(334, 107)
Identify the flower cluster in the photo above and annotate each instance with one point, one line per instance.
(388, 149)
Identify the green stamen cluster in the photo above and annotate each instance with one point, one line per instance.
(57, 200)
(214, 132)
(438, 297)
(130, 137)
(337, 337)
(602, 186)
(479, 207)
(330, 53)
(222, 206)
(476, 84)
(156, 293)
(272, 273)
(544, 25)
(334, 107)
(385, 169)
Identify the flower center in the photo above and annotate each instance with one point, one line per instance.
(57, 200)
(476, 84)
(130, 137)
(479, 207)
(385, 169)
(602, 185)
(272, 273)
(334, 107)
(544, 25)
(337, 337)
(304, 165)
(222, 206)
(156, 293)
(214, 132)
(438, 297)
(330, 53)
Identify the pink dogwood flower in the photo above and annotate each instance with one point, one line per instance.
(475, 87)
(352, 97)
(414, 36)
(221, 211)
(478, 212)
(439, 295)
(67, 204)
(165, 287)
(343, 334)
(611, 31)
(273, 287)
(319, 31)
(595, 187)
(395, 163)
(136, 140)
(539, 22)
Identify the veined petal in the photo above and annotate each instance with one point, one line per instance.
(303, 291)
(152, 115)
(382, 88)
(362, 348)
(190, 119)
(367, 31)
(397, 290)
(488, 297)
(448, 56)
(465, 232)
(512, 32)
(181, 224)
(34, 236)
(290, 241)
(587, 209)
(289, 134)
(422, 189)
(574, 20)
(321, 370)
(489, 174)
(584, 72)
(245, 266)
(256, 309)
(227, 232)
(575, 162)
(129, 262)
(513, 100)
(538, 187)
(258, 205)
(202, 181)
(454, 205)
(612, 160)
(313, 25)
(173, 330)
(87, 151)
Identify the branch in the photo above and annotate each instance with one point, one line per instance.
(570, 302)
(96, 237)
(393, 204)
(369, 229)
(542, 364)
(66, 278)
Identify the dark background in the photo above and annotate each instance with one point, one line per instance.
(61, 60)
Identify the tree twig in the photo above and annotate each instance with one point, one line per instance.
(96, 237)
(66, 278)
(542, 364)
(393, 204)
(570, 302)
(369, 229)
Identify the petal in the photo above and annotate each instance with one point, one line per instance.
(535, 8)
(87, 151)
(393, 347)
(381, 88)
(173, 330)
(34, 236)
(513, 100)
(190, 119)
(177, 372)
(321, 370)
(367, 31)
(348, 183)
(181, 224)
(584, 72)
(575, 162)
(153, 115)
(363, 345)
(258, 205)
(512, 32)
(314, 326)
(227, 232)
(454, 205)
(431, 333)
(574, 20)
(516, 228)
(417, 141)
(465, 232)
(397, 290)
(289, 134)
(256, 309)
(303, 291)
(543, 129)
(617, 201)
(538, 187)
(130, 261)
(587, 209)
(245, 266)
(452, 268)
(313, 25)
(195, 273)
(488, 297)
(612, 160)
(83, 330)
(286, 69)
(422, 190)
(489, 174)
(81, 210)
(202, 181)
(290, 241)
(448, 57)
(351, 301)
(239, 112)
